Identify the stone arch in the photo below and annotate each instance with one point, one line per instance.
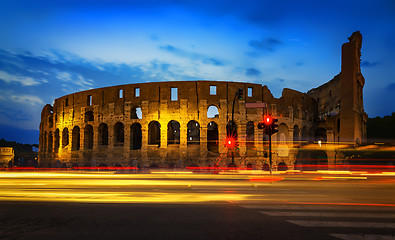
(103, 134)
(265, 167)
(154, 133)
(212, 137)
(50, 141)
(57, 140)
(212, 112)
(173, 132)
(250, 134)
(135, 136)
(75, 139)
(88, 137)
(89, 116)
(282, 167)
(320, 134)
(50, 120)
(231, 129)
(305, 134)
(136, 113)
(193, 132)
(283, 132)
(283, 137)
(119, 134)
(296, 134)
(65, 137)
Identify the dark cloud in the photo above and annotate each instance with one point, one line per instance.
(391, 87)
(281, 80)
(369, 64)
(192, 55)
(213, 61)
(299, 63)
(15, 115)
(268, 44)
(252, 72)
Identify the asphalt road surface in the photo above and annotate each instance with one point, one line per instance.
(196, 206)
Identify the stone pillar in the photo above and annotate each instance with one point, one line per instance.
(126, 142)
(144, 143)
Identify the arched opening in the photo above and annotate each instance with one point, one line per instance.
(231, 129)
(103, 134)
(65, 137)
(75, 141)
(89, 116)
(57, 140)
(250, 135)
(136, 113)
(212, 112)
(296, 133)
(88, 137)
(320, 134)
(118, 134)
(193, 134)
(135, 136)
(50, 141)
(283, 137)
(282, 167)
(50, 121)
(305, 134)
(266, 167)
(154, 133)
(212, 137)
(173, 132)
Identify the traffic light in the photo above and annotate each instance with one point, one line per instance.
(230, 142)
(269, 124)
(240, 93)
(268, 120)
(274, 126)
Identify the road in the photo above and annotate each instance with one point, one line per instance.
(171, 205)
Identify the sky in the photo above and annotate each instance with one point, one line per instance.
(49, 49)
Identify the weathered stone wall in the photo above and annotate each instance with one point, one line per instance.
(71, 132)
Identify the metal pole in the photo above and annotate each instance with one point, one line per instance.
(231, 128)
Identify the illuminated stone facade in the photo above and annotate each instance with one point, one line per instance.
(184, 123)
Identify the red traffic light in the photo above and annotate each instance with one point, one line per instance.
(230, 142)
(268, 120)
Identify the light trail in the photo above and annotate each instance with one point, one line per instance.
(185, 187)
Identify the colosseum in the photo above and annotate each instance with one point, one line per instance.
(184, 123)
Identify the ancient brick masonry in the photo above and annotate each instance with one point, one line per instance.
(184, 123)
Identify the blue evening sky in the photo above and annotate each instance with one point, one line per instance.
(52, 48)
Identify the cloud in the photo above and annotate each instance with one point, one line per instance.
(391, 87)
(15, 115)
(369, 64)
(25, 81)
(192, 55)
(252, 72)
(268, 44)
(28, 99)
(299, 63)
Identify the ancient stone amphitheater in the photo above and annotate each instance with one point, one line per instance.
(184, 123)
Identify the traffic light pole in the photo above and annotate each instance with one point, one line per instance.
(231, 128)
